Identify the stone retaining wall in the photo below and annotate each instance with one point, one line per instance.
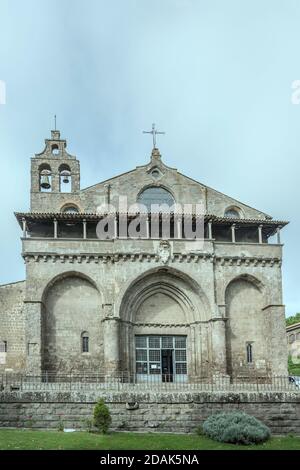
(164, 412)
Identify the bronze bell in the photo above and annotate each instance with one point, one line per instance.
(45, 182)
(66, 176)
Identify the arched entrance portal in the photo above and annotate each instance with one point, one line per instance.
(163, 317)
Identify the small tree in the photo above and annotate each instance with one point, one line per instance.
(102, 417)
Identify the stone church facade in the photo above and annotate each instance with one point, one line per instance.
(169, 308)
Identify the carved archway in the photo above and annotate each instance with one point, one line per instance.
(178, 283)
(162, 302)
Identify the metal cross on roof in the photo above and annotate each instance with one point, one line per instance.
(154, 133)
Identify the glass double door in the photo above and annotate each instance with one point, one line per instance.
(161, 358)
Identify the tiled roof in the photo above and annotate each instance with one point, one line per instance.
(293, 326)
(36, 216)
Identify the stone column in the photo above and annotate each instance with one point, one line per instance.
(55, 228)
(33, 337)
(210, 230)
(219, 363)
(84, 229)
(116, 227)
(233, 233)
(111, 345)
(278, 235)
(24, 227)
(178, 219)
(260, 238)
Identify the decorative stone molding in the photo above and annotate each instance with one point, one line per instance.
(117, 257)
(169, 325)
(161, 325)
(247, 261)
(163, 255)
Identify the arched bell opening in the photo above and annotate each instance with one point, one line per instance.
(65, 179)
(45, 178)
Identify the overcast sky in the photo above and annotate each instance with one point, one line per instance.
(215, 75)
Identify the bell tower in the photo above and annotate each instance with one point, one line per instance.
(55, 176)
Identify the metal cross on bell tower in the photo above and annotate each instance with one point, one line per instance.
(154, 133)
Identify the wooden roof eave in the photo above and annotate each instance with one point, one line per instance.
(43, 216)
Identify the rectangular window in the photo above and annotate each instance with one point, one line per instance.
(154, 355)
(3, 346)
(180, 342)
(249, 352)
(180, 355)
(141, 355)
(141, 368)
(181, 368)
(154, 342)
(141, 341)
(167, 342)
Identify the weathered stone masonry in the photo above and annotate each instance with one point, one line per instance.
(148, 411)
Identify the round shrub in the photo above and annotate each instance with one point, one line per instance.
(236, 427)
(102, 418)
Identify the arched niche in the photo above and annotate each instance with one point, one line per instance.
(246, 325)
(71, 305)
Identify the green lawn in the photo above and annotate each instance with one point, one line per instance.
(49, 440)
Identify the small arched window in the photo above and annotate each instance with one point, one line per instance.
(233, 213)
(85, 342)
(45, 176)
(65, 179)
(55, 149)
(70, 209)
(155, 196)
